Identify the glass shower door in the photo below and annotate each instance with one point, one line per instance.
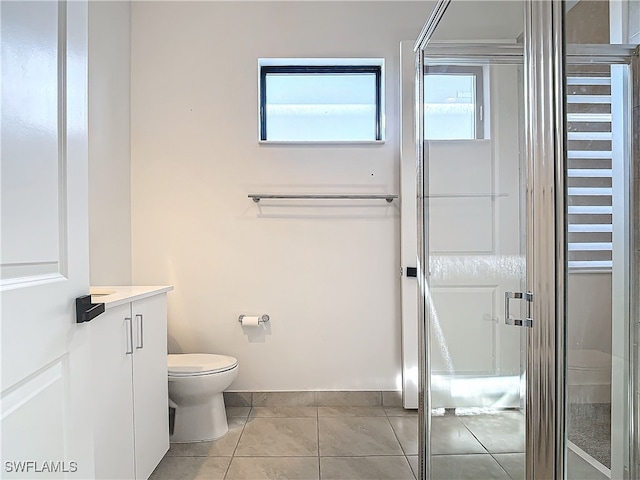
(571, 279)
(474, 231)
(523, 172)
(600, 334)
(475, 240)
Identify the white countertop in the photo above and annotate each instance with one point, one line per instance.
(113, 296)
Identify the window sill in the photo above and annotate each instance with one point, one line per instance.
(321, 142)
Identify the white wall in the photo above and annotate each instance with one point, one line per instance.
(109, 143)
(327, 275)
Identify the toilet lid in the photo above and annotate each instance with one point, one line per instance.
(199, 363)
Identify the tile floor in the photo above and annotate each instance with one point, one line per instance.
(367, 443)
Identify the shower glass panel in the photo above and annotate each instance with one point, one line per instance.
(570, 208)
(474, 238)
(599, 364)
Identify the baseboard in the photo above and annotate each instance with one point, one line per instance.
(376, 398)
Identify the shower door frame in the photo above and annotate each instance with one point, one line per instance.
(544, 156)
(543, 56)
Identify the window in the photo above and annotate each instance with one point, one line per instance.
(453, 102)
(321, 100)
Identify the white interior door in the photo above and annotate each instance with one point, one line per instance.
(46, 421)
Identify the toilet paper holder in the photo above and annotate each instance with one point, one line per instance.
(263, 319)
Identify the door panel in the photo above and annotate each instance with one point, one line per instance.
(461, 212)
(30, 135)
(36, 401)
(463, 325)
(451, 217)
(45, 367)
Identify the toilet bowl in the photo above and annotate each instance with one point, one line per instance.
(196, 383)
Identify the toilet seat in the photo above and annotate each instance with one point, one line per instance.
(196, 364)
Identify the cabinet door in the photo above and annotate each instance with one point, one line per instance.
(150, 383)
(113, 398)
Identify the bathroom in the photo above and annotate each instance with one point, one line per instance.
(174, 154)
(326, 273)
(327, 276)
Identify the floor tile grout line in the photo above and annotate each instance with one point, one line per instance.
(397, 438)
(501, 466)
(474, 436)
(318, 435)
(233, 454)
(410, 468)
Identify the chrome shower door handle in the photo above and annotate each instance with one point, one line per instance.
(518, 322)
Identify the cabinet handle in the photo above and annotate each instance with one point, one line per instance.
(129, 336)
(140, 324)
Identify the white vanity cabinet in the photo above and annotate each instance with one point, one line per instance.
(129, 360)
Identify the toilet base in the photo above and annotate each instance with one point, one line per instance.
(202, 422)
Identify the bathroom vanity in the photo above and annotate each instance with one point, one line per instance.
(129, 361)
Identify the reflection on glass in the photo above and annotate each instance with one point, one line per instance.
(452, 101)
(587, 22)
(476, 254)
(597, 293)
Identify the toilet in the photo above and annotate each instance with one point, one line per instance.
(196, 383)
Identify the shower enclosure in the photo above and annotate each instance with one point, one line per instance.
(527, 354)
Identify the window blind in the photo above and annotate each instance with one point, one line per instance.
(589, 175)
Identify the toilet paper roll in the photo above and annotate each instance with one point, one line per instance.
(250, 321)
